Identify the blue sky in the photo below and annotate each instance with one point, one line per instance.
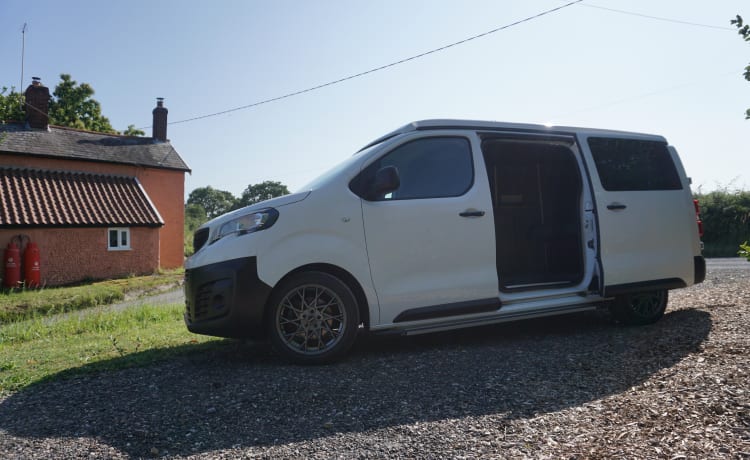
(583, 66)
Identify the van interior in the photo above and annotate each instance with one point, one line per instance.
(536, 197)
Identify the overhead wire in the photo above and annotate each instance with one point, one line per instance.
(656, 92)
(657, 18)
(435, 50)
(376, 69)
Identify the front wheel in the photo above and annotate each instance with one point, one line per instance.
(313, 318)
(640, 308)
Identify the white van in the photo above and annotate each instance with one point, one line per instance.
(445, 224)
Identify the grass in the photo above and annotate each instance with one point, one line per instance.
(34, 349)
(37, 350)
(21, 304)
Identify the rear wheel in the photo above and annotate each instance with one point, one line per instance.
(313, 318)
(640, 308)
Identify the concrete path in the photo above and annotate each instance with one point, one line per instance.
(175, 295)
(172, 296)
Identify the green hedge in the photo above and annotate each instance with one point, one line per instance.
(726, 221)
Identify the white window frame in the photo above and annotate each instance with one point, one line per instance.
(120, 232)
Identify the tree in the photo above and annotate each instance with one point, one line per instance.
(214, 202)
(744, 31)
(11, 105)
(195, 216)
(261, 192)
(205, 203)
(72, 106)
(133, 131)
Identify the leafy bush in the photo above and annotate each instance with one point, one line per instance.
(726, 220)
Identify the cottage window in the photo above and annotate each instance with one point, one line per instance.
(118, 239)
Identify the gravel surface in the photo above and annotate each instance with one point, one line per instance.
(567, 387)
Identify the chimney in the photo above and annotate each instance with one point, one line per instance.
(37, 104)
(159, 126)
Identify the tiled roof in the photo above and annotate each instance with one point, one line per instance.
(36, 197)
(57, 142)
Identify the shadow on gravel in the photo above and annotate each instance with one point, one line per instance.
(240, 395)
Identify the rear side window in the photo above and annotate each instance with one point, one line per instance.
(428, 168)
(631, 164)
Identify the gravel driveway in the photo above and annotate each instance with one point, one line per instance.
(573, 387)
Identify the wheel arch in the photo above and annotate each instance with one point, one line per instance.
(333, 270)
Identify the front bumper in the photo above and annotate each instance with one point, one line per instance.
(226, 299)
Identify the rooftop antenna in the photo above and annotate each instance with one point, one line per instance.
(23, 52)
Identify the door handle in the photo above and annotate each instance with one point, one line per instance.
(616, 206)
(471, 213)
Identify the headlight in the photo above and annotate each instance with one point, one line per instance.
(248, 223)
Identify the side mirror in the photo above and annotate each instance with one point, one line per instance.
(387, 180)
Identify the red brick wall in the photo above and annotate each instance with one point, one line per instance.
(166, 188)
(73, 254)
(167, 191)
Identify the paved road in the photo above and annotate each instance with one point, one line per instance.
(178, 296)
(729, 263)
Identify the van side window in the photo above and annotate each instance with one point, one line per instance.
(433, 167)
(631, 164)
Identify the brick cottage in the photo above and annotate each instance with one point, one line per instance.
(97, 205)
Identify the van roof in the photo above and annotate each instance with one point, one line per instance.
(437, 124)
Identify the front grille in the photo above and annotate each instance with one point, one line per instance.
(199, 238)
(209, 299)
(202, 299)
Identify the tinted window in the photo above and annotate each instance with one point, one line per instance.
(428, 168)
(629, 164)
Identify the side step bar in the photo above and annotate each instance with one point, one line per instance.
(486, 320)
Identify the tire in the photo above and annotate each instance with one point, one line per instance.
(640, 308)
(313, 318)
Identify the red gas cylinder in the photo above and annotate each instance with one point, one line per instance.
(12, 264)
(31, 269)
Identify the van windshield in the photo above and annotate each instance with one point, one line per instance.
(326, 176)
